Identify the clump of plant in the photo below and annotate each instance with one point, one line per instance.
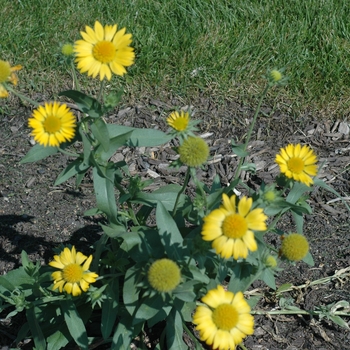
(193, 266)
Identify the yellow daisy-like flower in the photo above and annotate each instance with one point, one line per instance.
(294, 247)
(164, 275)
(73, 277)
(231, 226)
(225, 321)
(52, 124)
(194, 151)
(178, 121)
(297, 162)
(104, 50)
(7, 75)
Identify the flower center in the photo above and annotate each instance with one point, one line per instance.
(5, 71)
(225, 317)
(72, 273)
(234, 226)
(164, 275)
(52, 124)
(296, 165)
(104, 51)
(180, 124)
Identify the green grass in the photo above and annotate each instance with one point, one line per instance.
(218, 48)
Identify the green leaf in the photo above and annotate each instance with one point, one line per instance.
(110, 308)
(166, 195)
(168, 231)
(140, 137)
(16, 278)
(239, 150)
(115, 231)
(283, 287)
(174, 331)
(114, 143)
(268, 277)
(243, 275)
(86, 104)
(339, 321)
(25, 259)
(35, 329)
(185, 291)
(104, 191)
(130, 292)
(124, 333)
(296, 192)
(148, 309)
(309, 259)
(56, 341)
(73, 168)
(100, 131)
(74, 323)
(38, 152)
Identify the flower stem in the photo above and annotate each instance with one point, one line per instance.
(189, 333)
(23, 97)
(238, 171)
(187, 178)
(100, 94)
(75, 79)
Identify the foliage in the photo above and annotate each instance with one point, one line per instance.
(127, 297)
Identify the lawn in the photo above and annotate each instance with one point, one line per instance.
(188, 48)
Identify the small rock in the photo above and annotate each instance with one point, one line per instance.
(344, 128)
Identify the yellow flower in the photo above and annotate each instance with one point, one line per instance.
(52, 124)
(67, 50)
(164, 275)
(178, 121)
(194, 151)
(104, 50)
(294, 247)
(225, 321)
(7, 74)
(298, 163)
(231, 226)
(73, 277)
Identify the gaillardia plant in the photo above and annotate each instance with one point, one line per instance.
(179, 254)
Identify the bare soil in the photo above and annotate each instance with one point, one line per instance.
(36, 216)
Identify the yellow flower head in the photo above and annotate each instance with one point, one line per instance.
(52, 124)
(276, 75)
(164, 275)
(294, 247)
(225, 320)
(297, 162)
(73, 277)
(7, 75)
(194, 151)
(178, 121)
(231, 226)
(67, 50)
(104, 51)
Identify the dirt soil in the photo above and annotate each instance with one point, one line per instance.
(36, 216)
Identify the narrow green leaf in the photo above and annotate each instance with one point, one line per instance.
(283, 287)
(174, 331)
(104, 191)
(38, 152)
(110, 308)
(100, 131)
(73, 168)
(239, 150)
(168, 231)
(57, 341)
(148, 309)
(35, 329)
(140, 137)
(130, 292)
(86, 104)
(74, 323)
(296, 192)
(309, 259)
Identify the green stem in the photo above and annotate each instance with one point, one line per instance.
(100, 94)
(297, 312)
(75, 79)
(23, 97)
(187, 178)
(238, 171)
(242, 346)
